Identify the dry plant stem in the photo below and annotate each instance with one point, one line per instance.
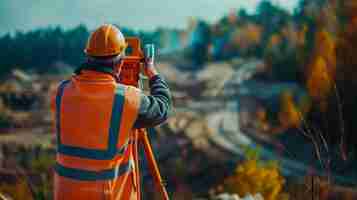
(342, 139)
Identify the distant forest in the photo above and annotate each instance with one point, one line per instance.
(41, 49)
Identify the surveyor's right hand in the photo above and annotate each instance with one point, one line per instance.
(149, 68)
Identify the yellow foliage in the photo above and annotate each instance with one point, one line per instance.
(289, 115)
(322, 70)
(247, 36)
(326, 48)
(18, 191)
(319, 82)
(252, 178)
(254, 33)
(261, 122)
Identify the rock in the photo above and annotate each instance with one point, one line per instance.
(258, 197)
(215, 76)
(226, 196)
(249, 197)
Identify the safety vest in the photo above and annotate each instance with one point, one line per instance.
(94, 120)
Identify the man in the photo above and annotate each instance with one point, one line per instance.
(95, 118)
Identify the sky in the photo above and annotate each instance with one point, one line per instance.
(25, 15)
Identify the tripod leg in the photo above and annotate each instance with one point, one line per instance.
(154, 170)
(137, 167)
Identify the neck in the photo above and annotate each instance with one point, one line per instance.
(98, 68)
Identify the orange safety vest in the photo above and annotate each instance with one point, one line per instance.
(94, 121)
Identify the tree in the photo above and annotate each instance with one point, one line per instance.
(319, 81)
(199, 42)
(41, 49)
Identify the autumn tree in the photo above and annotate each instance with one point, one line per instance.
(247, 38)
(198, 42)
(283, 53)
(321, 72)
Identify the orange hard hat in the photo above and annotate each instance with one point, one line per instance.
(107, 40)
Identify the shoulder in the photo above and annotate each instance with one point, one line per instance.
(132, 95)
(55, 91)
(55, 88)
(132, 91)
(63, 83)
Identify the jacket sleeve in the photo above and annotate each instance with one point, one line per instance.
(154, 108)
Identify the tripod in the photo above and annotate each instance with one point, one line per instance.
(130, 75)
(141, 139)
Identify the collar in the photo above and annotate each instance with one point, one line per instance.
(93, 71)
(94, 67)
(92, 75)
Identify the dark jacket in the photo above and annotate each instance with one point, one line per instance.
(154, 108)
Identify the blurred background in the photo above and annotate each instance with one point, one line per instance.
(264, 93)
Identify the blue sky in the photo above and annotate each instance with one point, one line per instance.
(25, 15)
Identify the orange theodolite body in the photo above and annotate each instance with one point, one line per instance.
(130, 71)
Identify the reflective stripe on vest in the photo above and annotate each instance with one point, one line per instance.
(85, 175)
(96, 154)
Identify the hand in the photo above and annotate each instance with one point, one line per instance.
(149, 68)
